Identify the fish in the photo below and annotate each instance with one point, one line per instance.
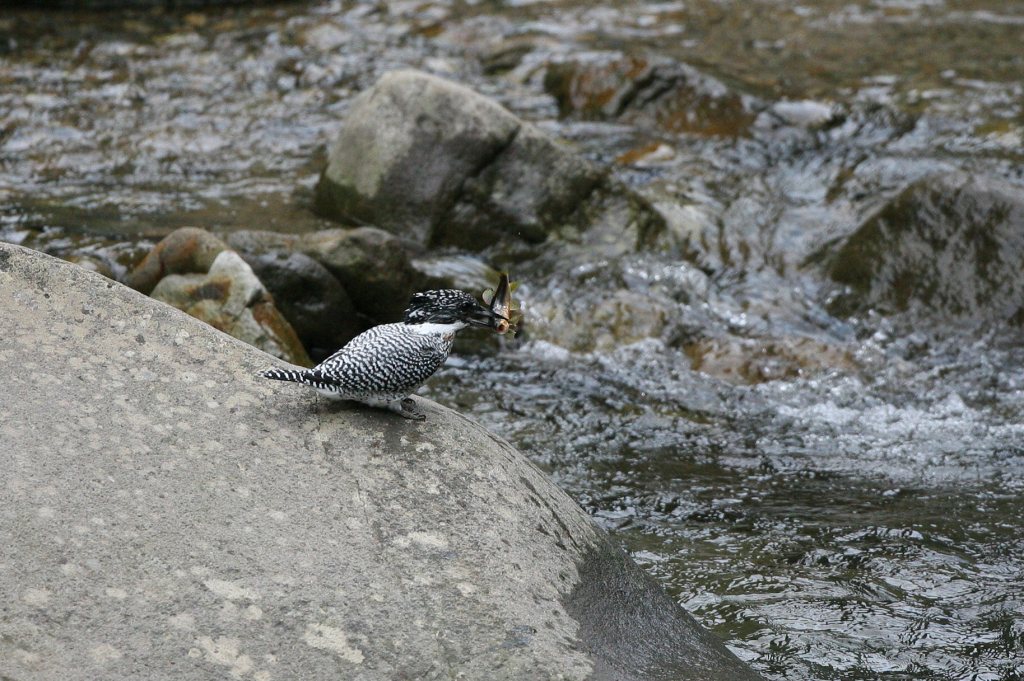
(501, 303)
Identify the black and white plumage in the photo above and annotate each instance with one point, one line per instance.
(382, 366)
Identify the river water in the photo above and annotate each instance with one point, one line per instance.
(838, 497)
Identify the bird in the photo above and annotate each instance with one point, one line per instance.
(382, 366)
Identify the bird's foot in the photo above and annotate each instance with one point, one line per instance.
(407, 408)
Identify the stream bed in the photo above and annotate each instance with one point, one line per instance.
(834, 491)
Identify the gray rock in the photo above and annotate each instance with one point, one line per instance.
(310, 298)
(949, 247)
(371, 264)
(166, 513)
(530, 189)
(440, 164)
(260, 242)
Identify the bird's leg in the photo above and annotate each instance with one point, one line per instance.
(407, 408)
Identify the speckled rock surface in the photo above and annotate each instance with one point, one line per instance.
(166, 514)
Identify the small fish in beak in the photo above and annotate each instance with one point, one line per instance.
(507, 317)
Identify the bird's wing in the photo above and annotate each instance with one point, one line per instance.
(383, 360)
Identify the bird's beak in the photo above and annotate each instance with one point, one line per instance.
(485, 317)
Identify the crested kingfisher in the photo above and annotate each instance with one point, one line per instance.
(382, 366)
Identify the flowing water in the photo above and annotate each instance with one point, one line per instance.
(836, 497)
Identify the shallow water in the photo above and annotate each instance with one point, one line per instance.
(838, 498)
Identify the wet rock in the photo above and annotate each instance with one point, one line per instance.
(505, 55)
(440, 164)
(648, 91)
(528, 190)
(370, 263)
(948, 247)
(460, 271)
(189, 516)
(806, 113)
(619, 318)
(183, 251)
(310, 298)
(759, 360)
(231, 298)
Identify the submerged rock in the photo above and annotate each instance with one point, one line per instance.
(231, 298)
(186, 516)
(439, 164)
(759, 360)
(948, 246)
(648, 91)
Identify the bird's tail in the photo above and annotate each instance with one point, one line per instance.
(284, 375)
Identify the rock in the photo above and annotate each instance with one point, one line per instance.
(533, 187)
(759, 360)
(311, 299)
(457, 270)
(949, 246)
(260, 242)
(183, 251)
(231, 298)
(661, 93)
(619, 318)
(371, 264)
(199, 274)
(440, 164)
(184, 515)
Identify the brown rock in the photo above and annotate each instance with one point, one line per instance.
(655, 92)
(185, 250)
(232, 299)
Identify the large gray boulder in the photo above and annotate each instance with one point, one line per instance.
(435, 162)
(165, 513)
